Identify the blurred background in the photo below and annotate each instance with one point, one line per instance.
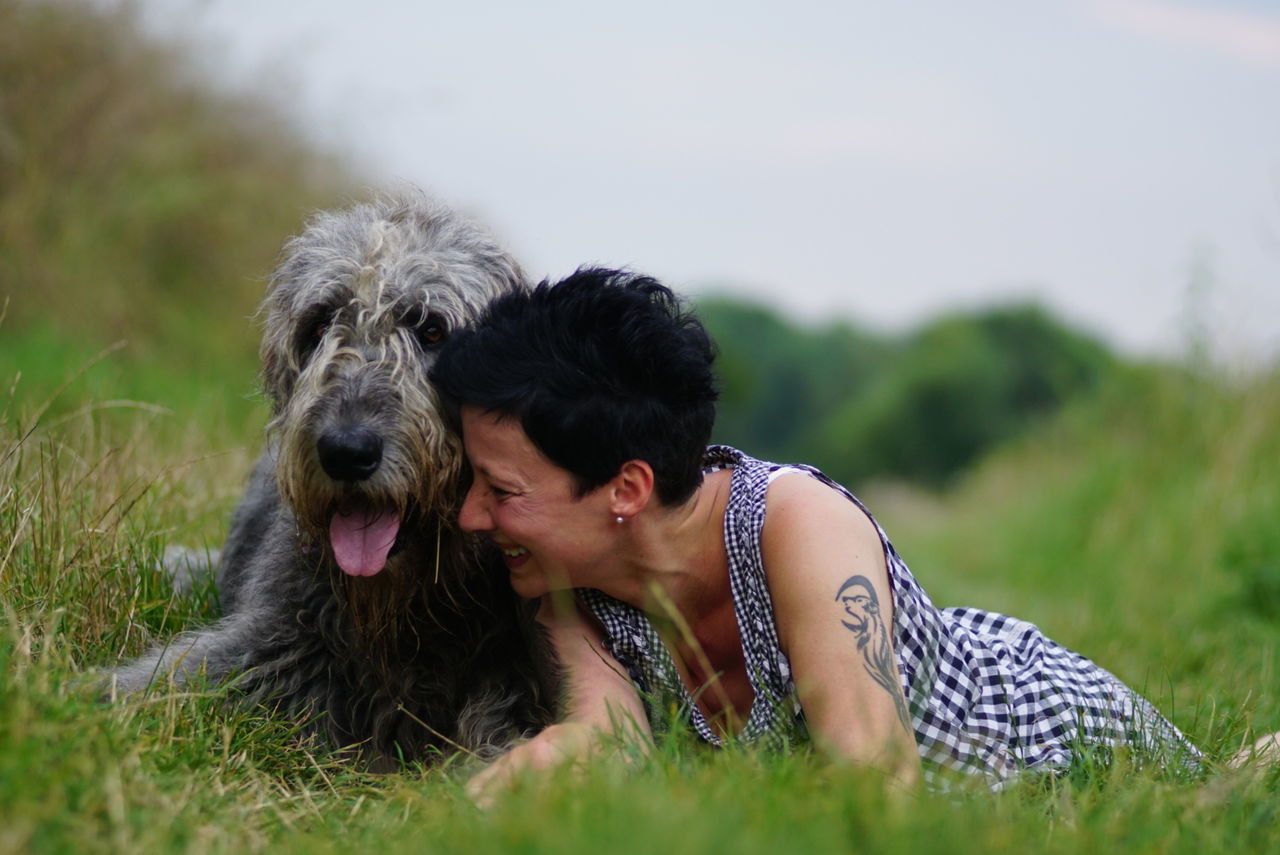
(915, 229)
(880, 161)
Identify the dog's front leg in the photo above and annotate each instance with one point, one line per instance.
(210, 655)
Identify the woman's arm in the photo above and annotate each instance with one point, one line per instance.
(596, 689)
(600, 703)
(834, 609)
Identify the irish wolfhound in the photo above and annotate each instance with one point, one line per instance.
(351, 600)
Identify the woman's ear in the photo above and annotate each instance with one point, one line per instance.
(631, 489)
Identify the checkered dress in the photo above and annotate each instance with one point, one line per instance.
(988, 694)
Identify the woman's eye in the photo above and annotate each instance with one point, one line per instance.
(501, 495)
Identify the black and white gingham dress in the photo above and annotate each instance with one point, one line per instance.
(988, 694)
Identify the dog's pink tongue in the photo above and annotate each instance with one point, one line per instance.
(361, 540)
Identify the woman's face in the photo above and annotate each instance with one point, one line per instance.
(549, 536)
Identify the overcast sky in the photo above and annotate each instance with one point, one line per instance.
(873, 160)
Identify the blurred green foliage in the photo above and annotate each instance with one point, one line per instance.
(1137, 525)
(778, 380)
(921, 407)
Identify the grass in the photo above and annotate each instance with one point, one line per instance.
(1140, 528)
(1137, 528)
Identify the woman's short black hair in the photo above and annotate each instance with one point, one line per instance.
(600, 368)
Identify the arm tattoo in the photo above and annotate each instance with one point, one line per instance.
(862, 605)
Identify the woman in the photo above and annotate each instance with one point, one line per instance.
(763, 599)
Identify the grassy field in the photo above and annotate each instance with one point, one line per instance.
(1138, 528)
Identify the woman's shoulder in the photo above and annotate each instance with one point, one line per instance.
(786, 495)
(719, 457)
(802, 504)
(802, 498)
(756, 481)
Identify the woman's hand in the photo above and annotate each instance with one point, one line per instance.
(556, 746)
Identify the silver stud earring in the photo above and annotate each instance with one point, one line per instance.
(619, 520)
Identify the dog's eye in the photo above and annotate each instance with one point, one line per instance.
(431, 334)
(430, 329)
(310, 333)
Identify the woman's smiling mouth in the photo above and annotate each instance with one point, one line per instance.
(514, 556)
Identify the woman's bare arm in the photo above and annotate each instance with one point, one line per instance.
(834, 609)
(600, 704)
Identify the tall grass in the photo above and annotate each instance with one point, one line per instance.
(1140, 528)
(1136, 528)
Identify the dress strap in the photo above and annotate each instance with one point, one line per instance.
(767, 666)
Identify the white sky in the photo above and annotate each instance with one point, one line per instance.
(874, 160)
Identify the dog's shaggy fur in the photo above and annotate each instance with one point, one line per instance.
(351, 600)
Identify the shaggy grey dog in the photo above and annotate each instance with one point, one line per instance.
(351, 600)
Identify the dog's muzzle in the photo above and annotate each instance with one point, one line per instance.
(361, 536)
(350, 454)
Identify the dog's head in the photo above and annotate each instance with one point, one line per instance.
(355, 313)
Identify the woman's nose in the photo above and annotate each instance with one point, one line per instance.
(474, 515)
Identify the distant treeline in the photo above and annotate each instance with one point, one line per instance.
(920, 407)
(138, 202)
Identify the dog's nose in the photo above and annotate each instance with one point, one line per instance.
(350, 454)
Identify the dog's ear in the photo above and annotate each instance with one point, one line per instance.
(277, 380)
(512, 275)
(279, 370)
